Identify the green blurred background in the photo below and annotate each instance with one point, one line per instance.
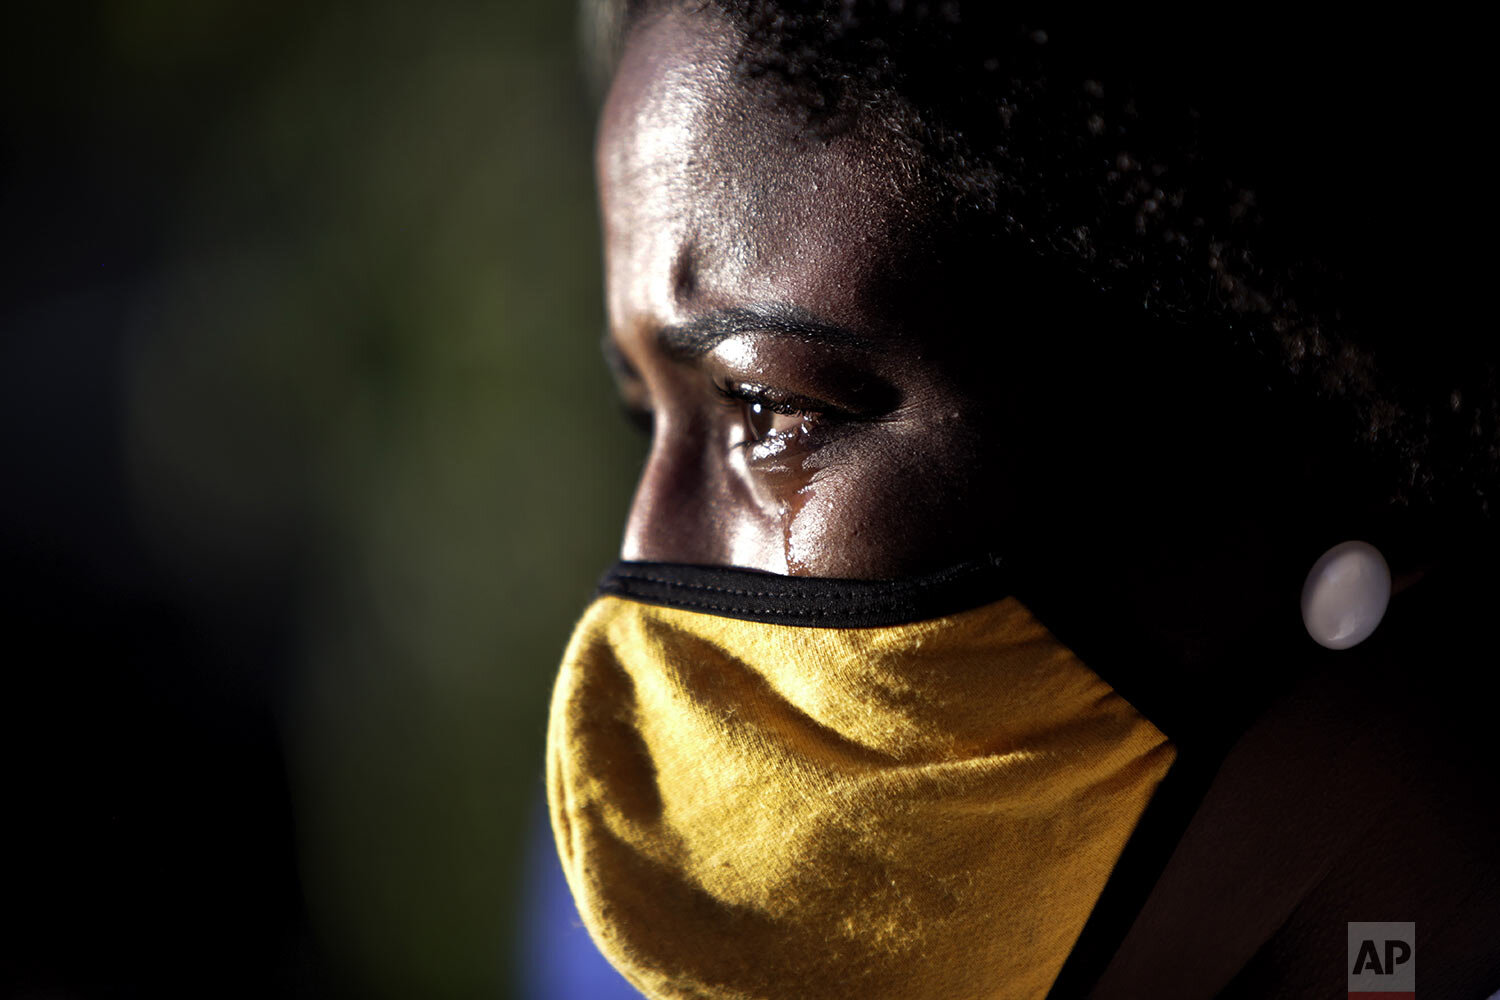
(310, 463)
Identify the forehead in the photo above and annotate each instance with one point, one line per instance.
(710, 187)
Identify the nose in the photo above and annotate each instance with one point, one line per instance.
(690, 508)
(675, 515)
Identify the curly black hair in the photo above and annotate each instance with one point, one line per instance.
(1304, 192)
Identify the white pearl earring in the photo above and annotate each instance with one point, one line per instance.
(1346, 594)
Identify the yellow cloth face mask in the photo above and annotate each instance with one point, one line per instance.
(750, 804)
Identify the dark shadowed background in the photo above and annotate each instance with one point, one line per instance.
(307, 464)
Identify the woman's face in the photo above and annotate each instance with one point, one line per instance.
(773, 306)
(838, 386)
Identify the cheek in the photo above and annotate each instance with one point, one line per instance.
(824, 534)
(911, 502)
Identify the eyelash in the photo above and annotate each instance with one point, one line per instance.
(737, 394)
(744, 392)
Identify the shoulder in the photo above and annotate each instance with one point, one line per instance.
(1366, 792)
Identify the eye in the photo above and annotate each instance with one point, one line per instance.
(767, 414)
(641, 418)
(765, 419)
(635, 400)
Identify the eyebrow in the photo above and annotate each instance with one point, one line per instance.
(698, 336)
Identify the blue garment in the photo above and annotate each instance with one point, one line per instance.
(558, 960)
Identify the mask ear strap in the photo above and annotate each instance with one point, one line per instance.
(1217, 825)
(1239, 837)
(1205, 716)
(1320, 791)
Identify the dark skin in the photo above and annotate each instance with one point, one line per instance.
(840, 386)
(709, 205)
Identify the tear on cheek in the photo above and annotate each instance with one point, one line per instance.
(777, 469)
(768, 448)
(806, 519)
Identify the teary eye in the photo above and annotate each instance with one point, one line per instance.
(767, 413)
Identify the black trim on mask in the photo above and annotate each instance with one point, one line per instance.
(753, 596)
